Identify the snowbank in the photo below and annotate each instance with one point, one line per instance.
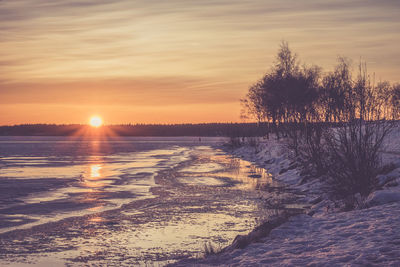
(369, 236)
(383, 196)
(360, 237)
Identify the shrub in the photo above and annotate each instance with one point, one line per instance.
(352, 153)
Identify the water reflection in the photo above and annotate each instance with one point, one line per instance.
(95, 177)
(248, 175)
(222, 170)
(95, 170)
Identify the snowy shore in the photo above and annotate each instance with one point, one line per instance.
(368, 237)
(326, 235)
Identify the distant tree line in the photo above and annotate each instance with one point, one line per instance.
(204, 129)
(335, 122)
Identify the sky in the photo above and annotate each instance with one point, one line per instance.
(176, 61)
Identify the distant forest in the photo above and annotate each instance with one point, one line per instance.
(204, 129)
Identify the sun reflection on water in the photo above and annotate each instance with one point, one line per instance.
(95, 170)
(95, 177)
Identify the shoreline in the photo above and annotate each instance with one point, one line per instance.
(378, 213)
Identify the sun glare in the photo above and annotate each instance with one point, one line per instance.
(95, 121)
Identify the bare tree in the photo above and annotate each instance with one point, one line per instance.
(336, 123)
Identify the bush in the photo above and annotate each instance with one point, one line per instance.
(352, 153)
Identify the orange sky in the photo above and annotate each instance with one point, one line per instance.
(154, 61)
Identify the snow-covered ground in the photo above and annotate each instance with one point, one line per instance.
(326, 236)
(369, 237)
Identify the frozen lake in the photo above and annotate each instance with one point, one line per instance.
(123, 201)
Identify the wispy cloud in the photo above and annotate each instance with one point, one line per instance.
(215, 46)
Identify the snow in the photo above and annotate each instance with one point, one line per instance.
(359, 237)
(326, 236)
(383, 196)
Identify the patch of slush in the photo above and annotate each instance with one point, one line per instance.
(231, 171)
(150, 243)
(204, 181)
(203, 167)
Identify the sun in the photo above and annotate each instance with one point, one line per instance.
(95, 121)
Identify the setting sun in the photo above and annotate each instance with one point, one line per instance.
(95, 121)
